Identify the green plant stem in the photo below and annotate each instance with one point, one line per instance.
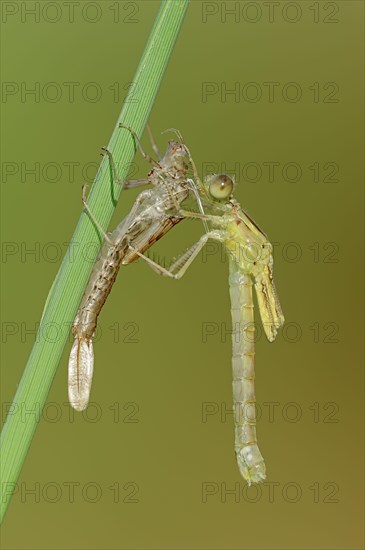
(67, 290)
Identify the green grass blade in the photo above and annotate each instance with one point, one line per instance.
(67, 290)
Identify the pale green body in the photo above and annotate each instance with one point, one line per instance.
(250, 265)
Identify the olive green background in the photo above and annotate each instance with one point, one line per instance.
(149, 467)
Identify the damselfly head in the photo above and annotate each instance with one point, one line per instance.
(219, 186)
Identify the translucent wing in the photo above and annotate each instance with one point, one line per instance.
(269, 306)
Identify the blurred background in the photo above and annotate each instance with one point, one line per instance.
(271, 92)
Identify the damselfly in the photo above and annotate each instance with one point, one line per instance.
(250, 264)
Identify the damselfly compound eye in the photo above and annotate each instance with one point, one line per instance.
(220, 186)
